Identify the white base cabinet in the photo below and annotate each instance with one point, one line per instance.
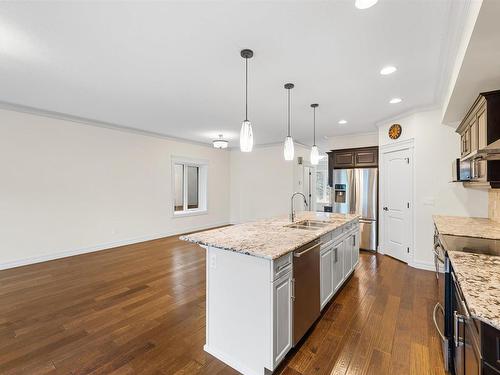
(327, 274)
(339, 257)
(282, 317)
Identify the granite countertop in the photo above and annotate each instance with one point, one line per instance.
(468, 226)
(479, 279)
(268, 238)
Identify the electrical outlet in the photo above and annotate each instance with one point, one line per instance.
(213, 261)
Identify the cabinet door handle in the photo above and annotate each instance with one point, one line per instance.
(353, 240)
(292, 289)
(336, 251)
(386, 209)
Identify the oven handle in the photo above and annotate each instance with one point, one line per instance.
(440, 307)
(460, 297)
(457, 318)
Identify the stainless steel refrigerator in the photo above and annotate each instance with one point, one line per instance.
(355, 191)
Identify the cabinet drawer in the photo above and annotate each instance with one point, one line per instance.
(336, 233)
(325, 239)
(282, 266)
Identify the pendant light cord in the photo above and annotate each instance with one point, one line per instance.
(289, 112)
(314, 126)
(246, 89)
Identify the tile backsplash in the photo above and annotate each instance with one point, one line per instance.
(494, 204)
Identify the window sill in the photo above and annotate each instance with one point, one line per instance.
(190, 213)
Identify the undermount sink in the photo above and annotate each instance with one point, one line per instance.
(308, 224)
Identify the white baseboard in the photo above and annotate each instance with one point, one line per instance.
(99, 247)
(228, 360)
(428, 266)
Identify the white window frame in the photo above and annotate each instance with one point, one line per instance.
(325, 187)
(202, 186)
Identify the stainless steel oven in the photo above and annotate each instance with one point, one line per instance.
(442, 269)
(466, 342)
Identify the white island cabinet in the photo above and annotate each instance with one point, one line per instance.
(339, 256)
(250, 285)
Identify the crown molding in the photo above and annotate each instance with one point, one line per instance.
(87, 121)
(350, 135)
(410, 112)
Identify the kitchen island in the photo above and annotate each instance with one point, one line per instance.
(268, 280)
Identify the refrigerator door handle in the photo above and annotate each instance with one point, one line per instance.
(367, 221)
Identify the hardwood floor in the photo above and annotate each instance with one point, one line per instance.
(140, 309)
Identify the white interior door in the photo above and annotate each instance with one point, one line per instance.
(396, 204)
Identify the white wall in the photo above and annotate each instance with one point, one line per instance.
(436, 146)
(352, 141)
(261, 181)
(68, 187)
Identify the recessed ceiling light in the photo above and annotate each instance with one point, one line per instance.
(364, 4)
(395, 100)
(342, 122)
(388, 70)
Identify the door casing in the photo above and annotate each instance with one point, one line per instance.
(384, 150)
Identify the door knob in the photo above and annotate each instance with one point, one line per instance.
(385, 209)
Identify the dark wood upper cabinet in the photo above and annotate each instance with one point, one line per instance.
(366, 157)
(344, 159)
(481, 125)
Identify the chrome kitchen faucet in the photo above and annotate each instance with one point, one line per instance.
(292, 213)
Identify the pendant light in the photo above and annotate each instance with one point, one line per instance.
(314, 149)
(220, 143)
(246, 133)
(288, 147)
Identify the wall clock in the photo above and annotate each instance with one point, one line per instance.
(395, 131)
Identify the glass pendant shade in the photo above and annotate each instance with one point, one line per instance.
(288, 150)
(314, 155)
(246, 137)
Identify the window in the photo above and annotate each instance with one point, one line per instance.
(322, 190)
(189, 187)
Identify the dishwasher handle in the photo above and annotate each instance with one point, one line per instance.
(299, 254)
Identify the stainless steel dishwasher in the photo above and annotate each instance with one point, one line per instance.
(306, 306)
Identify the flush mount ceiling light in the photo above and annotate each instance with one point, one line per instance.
(220, 143)
(288, 149)
(314, 148)
(395, 100)
(342, 122)
(364, 4)
(246, 133)
(386, 70)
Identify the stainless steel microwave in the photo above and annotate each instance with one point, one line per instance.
(461, 170)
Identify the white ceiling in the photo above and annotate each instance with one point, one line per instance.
(174, 68)
(479, 69)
